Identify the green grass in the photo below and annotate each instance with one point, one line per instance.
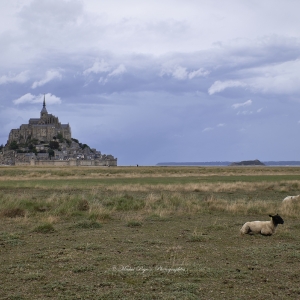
(147, 233)
(44, 228)
(87, 225)
(82, 183)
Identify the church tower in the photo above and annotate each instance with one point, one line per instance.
(44, 110)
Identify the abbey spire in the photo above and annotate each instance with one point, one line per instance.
(44, 110)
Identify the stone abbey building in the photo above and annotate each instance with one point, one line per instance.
(45, 141)
(42, 129)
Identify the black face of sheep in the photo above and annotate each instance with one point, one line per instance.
(277, 219)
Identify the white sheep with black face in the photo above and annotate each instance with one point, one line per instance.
(262, 227)
(290, 199)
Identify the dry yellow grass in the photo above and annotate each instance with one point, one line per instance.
(45, 172)
(176, 191)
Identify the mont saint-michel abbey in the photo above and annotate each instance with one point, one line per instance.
(45, 141)
(42, 129)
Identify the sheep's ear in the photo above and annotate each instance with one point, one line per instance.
(270, 216)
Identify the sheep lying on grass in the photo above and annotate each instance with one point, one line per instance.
(289, 199)
(262, 227)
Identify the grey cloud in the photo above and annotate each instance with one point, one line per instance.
(29, 98)
(181, 73)
(207, 129)
(246, 103)
(118, 71)
(22, 77)
(98, 67)
(219, 86)
(198, 73)
(49, 76)
(205, 69)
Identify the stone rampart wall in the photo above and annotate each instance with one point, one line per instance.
(72, 162)
(11, 158)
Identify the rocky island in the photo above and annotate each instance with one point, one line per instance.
(255, 162)
(45, 141)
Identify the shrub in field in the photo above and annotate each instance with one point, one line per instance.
(291, 209)
(174, 202)
(34, 206)
(68, 204)
(83, 205)
(44, 228)
(134, 223)
(100, 216)
(153, 201)
(87, 225)
(157, 217)
(41, 208)
(125, 203)
(12, 212)
(295, 185)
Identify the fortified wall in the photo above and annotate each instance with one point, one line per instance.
(12, 158)
(45, 141)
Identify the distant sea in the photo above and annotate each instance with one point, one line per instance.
(227, 163)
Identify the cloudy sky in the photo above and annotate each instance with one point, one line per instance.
(157, 81)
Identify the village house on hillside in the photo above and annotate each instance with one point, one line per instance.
(45, 141)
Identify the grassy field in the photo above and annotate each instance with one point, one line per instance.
(147, 233)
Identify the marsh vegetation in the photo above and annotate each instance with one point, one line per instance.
(147, 233)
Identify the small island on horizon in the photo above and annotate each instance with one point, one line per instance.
(255, 162)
